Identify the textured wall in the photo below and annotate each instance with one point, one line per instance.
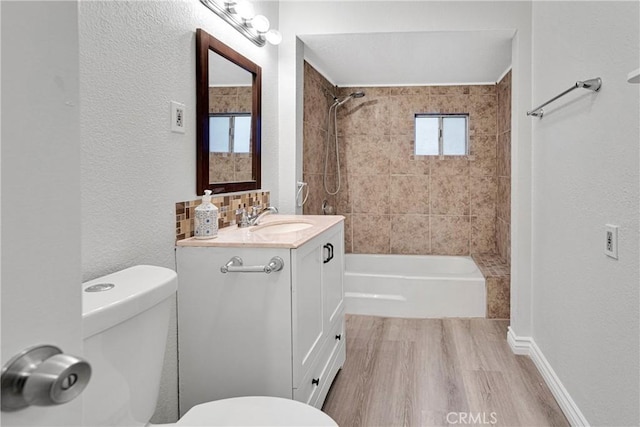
(586, 173)
(393, 201)
(136, 57)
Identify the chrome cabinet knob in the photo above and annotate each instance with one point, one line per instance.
(42, 376)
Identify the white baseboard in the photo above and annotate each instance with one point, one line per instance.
(526, 346)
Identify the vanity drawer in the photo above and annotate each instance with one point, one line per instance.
(336, 362)
(317, 376)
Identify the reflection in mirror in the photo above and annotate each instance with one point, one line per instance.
(229, 121)
(228, 115)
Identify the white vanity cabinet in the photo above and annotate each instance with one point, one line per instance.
(247, 333)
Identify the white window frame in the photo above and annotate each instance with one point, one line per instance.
(440, 117)
(232, 118)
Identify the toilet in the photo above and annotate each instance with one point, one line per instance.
(125, 319)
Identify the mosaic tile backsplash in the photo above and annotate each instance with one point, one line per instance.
(229, 207)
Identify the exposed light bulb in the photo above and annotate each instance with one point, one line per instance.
(273, 37)
(260, 23)
(244, 9)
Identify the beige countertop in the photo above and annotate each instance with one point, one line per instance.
(259, 236)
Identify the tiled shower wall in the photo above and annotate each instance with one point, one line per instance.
(393, 201)
(503, 208)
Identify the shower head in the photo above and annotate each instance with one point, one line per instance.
(351, 95)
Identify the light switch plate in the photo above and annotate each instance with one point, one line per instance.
(611, 241)
(177, 117)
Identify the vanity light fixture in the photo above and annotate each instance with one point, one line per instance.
(241, 15)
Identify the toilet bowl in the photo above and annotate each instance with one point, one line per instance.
(125, 319)
(255, 411)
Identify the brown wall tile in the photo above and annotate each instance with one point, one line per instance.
(483, 234)
(371, 233)
(402, 160)
(503, 208)
(348, 234)
(458, 165)
(369, 193)
(409, 194)
(313, 151)
(503, 240)
(449, 195)
(366, 154)
(504, 154)
(498, 297)
(482, 150)
(482, 194)
(449, 235)
(410, 234)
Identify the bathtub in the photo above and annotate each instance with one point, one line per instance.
(414, 286)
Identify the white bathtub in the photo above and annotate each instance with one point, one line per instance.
(414, 286)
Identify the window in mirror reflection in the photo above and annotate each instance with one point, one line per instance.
(230, 147)
(230, 133)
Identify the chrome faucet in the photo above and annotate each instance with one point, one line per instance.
(255, 219)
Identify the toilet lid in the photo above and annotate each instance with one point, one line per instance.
(255, 411)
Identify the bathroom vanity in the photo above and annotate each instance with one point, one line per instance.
(245, 331)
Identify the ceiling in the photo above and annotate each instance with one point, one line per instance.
(411, 58)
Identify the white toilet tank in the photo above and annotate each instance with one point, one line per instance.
(125, 323)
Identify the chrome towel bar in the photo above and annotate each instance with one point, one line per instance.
(235, 265)
(591, 84)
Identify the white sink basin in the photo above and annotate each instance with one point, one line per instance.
(278, 227)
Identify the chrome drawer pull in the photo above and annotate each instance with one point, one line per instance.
(235, 265)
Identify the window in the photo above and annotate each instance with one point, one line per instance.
(442, 134)
(230, 133)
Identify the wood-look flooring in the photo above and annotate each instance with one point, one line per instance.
(437, 372)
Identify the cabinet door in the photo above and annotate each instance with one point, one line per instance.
(234, 329)
(307, 307)
(333, 275)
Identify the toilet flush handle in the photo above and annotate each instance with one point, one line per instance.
(42, 376)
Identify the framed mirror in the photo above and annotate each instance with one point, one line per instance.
(228, 105)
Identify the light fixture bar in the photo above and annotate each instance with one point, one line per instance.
(235, 21)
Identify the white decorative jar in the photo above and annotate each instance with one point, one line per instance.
(206, 218)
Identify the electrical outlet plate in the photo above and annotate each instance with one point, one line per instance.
(177, 117)
(611, 241)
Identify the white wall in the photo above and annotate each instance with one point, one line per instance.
(586, 174)
(343, 17)
(136, 57)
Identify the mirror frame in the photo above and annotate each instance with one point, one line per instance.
(205, 43)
